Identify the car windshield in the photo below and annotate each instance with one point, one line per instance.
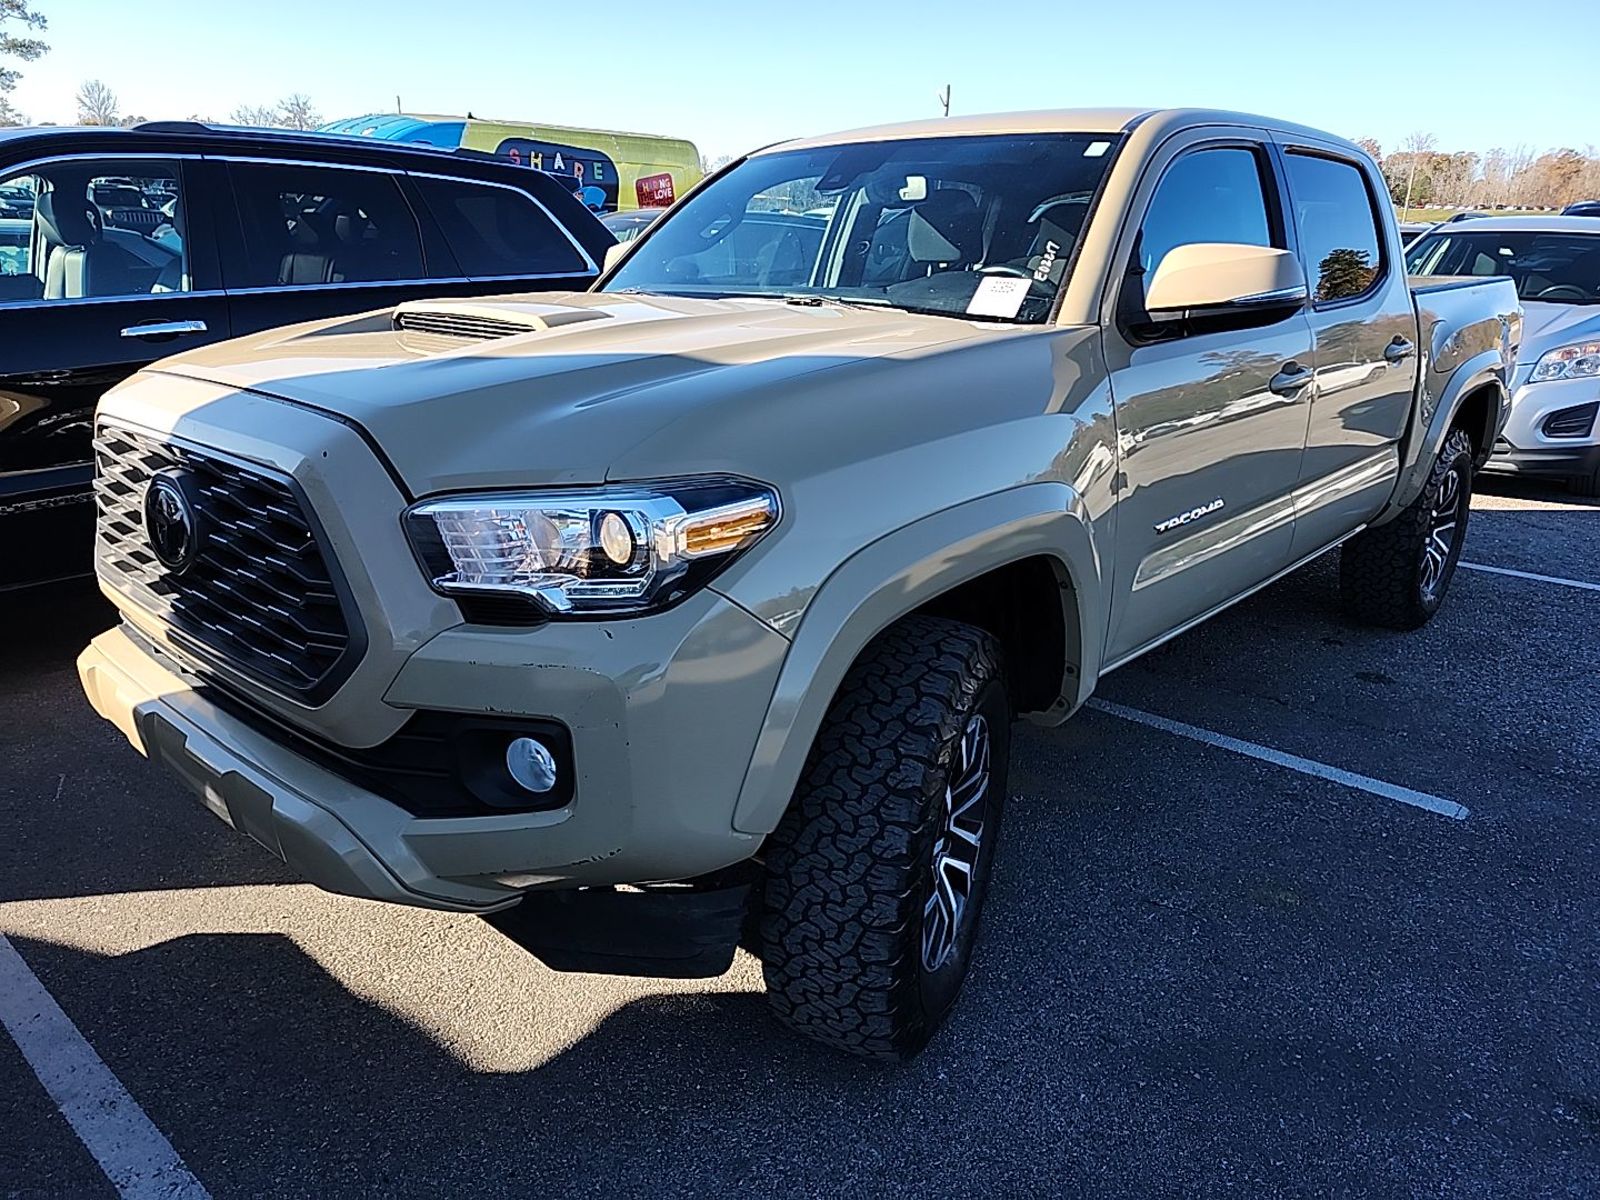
(980, 226)
(1557, 268)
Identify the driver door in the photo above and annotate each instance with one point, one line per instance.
(1211, 414)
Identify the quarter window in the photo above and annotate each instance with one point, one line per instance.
(314, 226)
(92, 230)
(1339, 237)
(495, 231)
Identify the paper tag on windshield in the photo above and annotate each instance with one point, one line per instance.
(998, 296)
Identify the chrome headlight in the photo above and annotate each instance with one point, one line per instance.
(612, 549)
(1581, 360)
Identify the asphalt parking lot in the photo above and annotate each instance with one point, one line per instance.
(1203, 973)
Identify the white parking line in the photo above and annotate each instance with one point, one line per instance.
(1306, 766)
(136, 1157)
(1556, 579)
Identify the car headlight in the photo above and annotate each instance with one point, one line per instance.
(612, 549)
(1578, 361)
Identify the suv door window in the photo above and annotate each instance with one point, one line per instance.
(498, 231)
(314, 226)
(92, 230)
(1339, 238)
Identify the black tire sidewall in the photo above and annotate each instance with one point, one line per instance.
(1457, 458)
(938, 990)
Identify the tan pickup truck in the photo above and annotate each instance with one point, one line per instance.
(698, 607)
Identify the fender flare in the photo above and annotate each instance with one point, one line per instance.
(1482, 370)
(897, 574)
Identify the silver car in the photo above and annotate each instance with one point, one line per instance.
(1554, 428)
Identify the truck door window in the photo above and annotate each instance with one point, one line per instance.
(1211, 195)
(310, 226)
(1339, 238)
(88, 230)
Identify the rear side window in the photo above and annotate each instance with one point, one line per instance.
(1339, 236)
(316, 226)
(496, 232)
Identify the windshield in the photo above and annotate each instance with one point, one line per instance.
(1557, 268)
(955, 226)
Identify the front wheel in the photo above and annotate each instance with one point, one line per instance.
(876, 876)
(1397, 574)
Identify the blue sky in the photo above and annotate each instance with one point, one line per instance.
(731, 76)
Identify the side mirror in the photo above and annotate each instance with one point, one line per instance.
(615, 254)
(1222, 277)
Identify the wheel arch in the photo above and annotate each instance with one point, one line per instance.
(1476, 392)
(949, 563)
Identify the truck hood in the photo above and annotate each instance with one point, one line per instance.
(556, 388)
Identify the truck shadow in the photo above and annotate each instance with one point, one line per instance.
(270, 1077)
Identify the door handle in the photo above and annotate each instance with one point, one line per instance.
(1398, 350)
(1290, 380)
(164, 329)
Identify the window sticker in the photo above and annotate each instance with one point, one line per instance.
(998, 296)
(1096, 149)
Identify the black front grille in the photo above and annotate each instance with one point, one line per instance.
(259, 597)
(1572, 422)
(457, 325)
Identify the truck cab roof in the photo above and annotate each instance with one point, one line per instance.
(1059, 120)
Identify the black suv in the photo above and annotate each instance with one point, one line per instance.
(121, 246)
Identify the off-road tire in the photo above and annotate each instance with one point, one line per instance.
(1381, 576)
(850, 869)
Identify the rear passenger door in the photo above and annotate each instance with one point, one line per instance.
(1365, 327)
(310, 241)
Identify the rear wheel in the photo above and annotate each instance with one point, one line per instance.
(1397, 574)
(876, 875)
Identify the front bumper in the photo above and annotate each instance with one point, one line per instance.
(664, 712)
(1523, 447)
(1544, 462)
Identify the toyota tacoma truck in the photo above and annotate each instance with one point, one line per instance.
(695, 610)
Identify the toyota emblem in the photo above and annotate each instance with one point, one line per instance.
(169, 521)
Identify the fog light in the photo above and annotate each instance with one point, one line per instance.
(531, 764)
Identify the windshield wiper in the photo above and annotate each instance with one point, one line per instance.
(809, 300)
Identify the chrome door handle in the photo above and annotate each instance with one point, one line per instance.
(1290, 380)
(164, 329)
(1398, 350)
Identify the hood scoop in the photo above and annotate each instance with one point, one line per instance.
(487, 320)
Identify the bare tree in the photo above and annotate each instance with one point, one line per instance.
(18, 47)
(1371, 146)
(1416, 146)
(254, 114)
(97, 104)
(297, 112)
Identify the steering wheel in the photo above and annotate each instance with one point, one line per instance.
(1562, 291)
(1005, 269)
